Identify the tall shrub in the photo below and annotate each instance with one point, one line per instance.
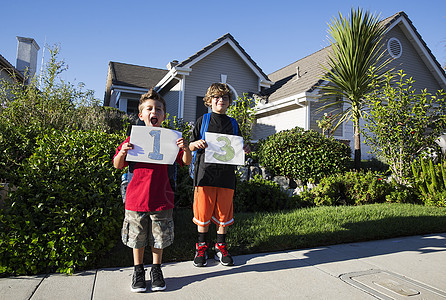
(50, 103)
(303, 155)
(66, 211)
(243, 111)
(403, 124)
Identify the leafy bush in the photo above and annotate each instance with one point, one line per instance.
(259, 194)
(102, 118)
(55, 103)
(67, 209)
(242, 109)
(403, 125)
(16, 144)
(430, 181)
(28, 110)
(355, 188)
(303, 155)
(184, 194)
(178, 124)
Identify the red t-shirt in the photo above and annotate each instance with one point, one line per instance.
(149, 189)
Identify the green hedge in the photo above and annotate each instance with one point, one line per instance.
(261, 195)
(356, 188)
(16, 144)
(303, 155)
(67, 210)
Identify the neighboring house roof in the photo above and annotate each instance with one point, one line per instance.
(8, 67)
(288, 83)
(131, 76)
(300, 76)
(135, 76)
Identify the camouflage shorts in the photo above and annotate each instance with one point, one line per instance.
(148, 228)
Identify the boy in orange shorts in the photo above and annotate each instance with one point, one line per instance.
(214, 183)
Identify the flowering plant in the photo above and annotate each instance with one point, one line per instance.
(326, 123)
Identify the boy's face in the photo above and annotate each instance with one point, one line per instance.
(152, 113)
(220, 104)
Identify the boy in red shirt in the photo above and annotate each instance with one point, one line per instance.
(149, 199)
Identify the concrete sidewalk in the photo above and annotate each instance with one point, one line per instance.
(401, 268)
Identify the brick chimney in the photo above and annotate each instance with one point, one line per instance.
(27, 49)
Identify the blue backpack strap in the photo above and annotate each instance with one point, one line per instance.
(203, 129)
(205, 125)
(234, 126)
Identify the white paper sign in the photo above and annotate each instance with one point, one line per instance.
(224, 149)
(153, 145)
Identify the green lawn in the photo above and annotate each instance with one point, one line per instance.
(297, 229)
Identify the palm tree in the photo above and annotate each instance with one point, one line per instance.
(356, 60)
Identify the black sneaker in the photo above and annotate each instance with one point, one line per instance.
(157, 279)
(201, 255)
(222, 254)
(139, 281)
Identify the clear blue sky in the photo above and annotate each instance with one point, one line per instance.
(152, 33)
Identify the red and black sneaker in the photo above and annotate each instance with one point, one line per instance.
(201, 254)
(222, 255)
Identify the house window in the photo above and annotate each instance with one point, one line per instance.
(201, 108)
(394, 47)
(132, 106)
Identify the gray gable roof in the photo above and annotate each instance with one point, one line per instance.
(289, 83)
(135, 76)
(216, 42)
(390, 20)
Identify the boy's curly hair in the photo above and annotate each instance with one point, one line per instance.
(219, 90)
(151, 95)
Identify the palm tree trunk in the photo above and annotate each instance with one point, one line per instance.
(357, 138)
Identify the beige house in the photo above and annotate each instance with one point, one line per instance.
(293, 98)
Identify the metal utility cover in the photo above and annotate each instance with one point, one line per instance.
(387, 285)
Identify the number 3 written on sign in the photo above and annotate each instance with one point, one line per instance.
(227, 148)
(156, 155)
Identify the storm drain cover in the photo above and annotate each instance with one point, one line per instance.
(387, 285)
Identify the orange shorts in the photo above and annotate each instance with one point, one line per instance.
(213, 203)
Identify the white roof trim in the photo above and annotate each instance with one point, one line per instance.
(173, 73)
(122, 88)
(266, 83)
(425, 54)
(297, 99)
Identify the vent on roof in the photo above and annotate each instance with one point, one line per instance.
(394, 47)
